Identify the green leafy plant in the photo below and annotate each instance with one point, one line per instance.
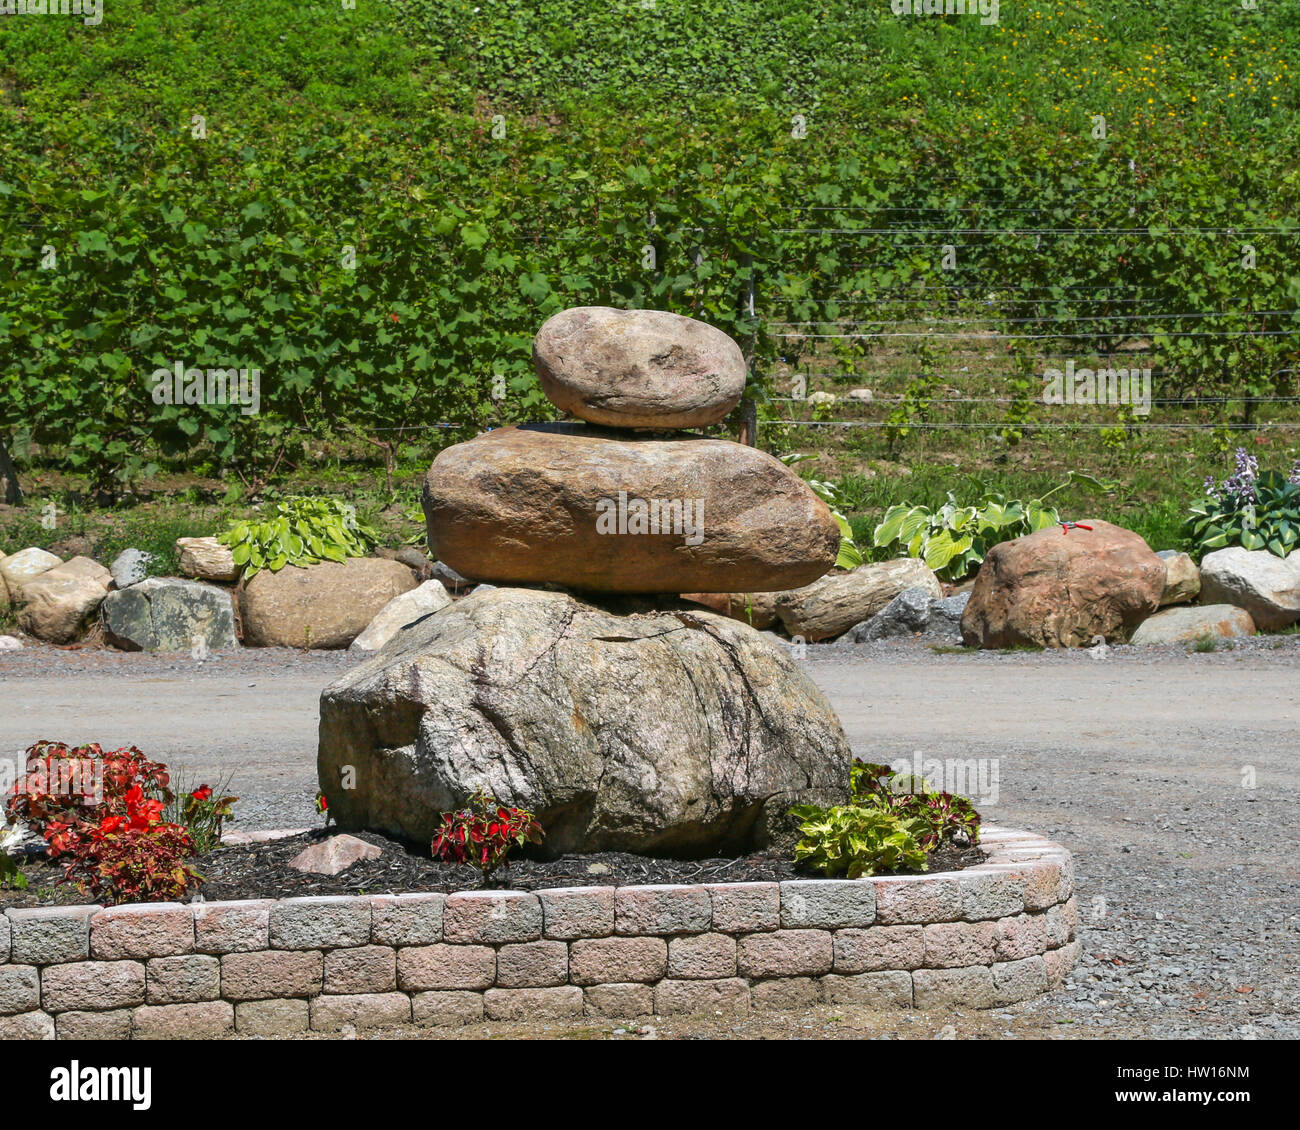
(1251, 509)
(854, 840)
(953, 539)
(300, 531)
(849, 556)
(892, 822)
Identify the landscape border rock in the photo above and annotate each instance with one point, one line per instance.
(992, 935)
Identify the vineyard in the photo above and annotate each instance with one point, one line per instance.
(376, 207)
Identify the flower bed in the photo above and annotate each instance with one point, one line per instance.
(993, 934)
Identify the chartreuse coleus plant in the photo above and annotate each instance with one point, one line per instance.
(1249, 509)
(300, 531)
(850, 556)
(953, 539)
(891, 823)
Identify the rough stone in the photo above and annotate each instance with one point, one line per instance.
(92, 985)
(334, 855)
(399, 613)
(1185, 625)
(1182, 577)
(908, 614)
(757, 609)
(324, 922)
(446, 1009)
(879, 948)
(167, 614)
(361, 969)
(533, 1004)
(827, 904)
(406, 920)
(702, 957)
(272, 973)
(785, 953)
(25, 565)
(597, 961)
(832, 605)
(745, 908)
(638, 368)
(319, 606)
(58, 602)
(1266, 586)
(272, 1018)
(646, 733)
(210, 1020)
(569, 913)
(206, 559)
(1062, 589)
(623, 1000)
(446, 967)
(50, 935)
(360, 1010)
(561, 504)
(532, 965)
(729, 995)
(130, 567)
(886, 989)
(182, 980)
(492, 916)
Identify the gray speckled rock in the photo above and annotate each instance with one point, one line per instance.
(684, 733)
(130, 567)
(829, 607)
(907, 614)
(168, 614)
(638, 368)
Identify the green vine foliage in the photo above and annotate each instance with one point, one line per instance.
(377, 207)
(299, 531)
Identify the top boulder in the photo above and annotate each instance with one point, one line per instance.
(638, 368)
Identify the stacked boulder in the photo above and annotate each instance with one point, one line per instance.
(601, 505)
(624, 723)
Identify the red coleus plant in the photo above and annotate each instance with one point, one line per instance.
(483, 833)
(62, 786)
(132, 856)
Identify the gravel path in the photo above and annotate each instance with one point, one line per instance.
(1189, 882)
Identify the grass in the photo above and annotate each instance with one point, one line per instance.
(1206, 643)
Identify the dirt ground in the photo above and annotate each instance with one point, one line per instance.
(1173, 777)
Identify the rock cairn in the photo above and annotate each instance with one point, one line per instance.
(613, 504)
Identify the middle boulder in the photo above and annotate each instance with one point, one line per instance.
(605, 511)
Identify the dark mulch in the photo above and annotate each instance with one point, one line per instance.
(250, 871)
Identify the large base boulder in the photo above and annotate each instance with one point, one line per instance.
(1266, 586)
(168, 614)
(604, 511)
(832, 605)
(1058, 588)
(320, 606)
(58, 602)
(1186, 625)
(678, 732)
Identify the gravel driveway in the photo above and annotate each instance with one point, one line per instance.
(1189, 882)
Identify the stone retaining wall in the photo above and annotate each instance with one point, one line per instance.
(991, 935)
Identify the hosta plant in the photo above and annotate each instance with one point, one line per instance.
(484, 832)
(1251, 509)
(299, 531)
(954, 539)
(852, 840)
(850, 556)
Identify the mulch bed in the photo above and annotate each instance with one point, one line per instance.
(251, 871)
